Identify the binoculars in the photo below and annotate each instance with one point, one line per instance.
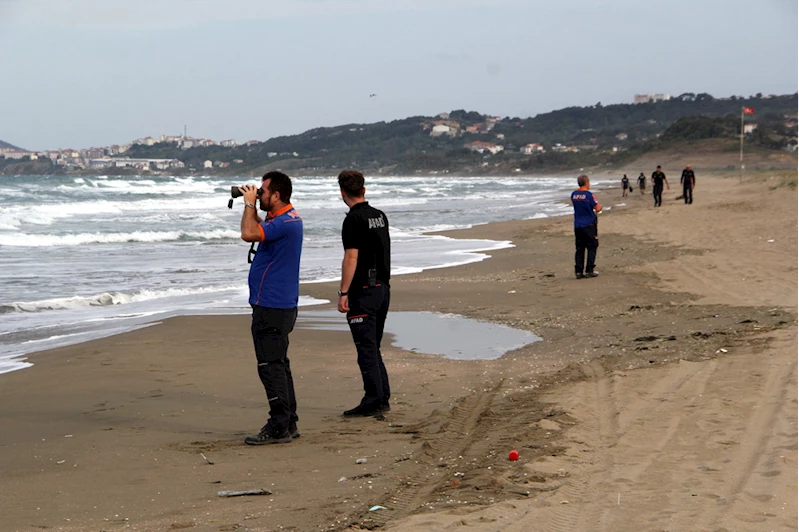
(236, 193)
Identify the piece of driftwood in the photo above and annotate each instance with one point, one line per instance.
(242, 493)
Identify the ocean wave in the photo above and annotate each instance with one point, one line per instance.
(35, 240)
(109, 299)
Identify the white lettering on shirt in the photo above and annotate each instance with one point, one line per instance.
(376, 222)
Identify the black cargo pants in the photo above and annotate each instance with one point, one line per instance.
(585, 239)
(270, 334)
(657, 192)
(688, 193)
(367, 318)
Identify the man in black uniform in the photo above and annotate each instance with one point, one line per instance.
(365, 292)
(625, 184)
(642, 182)
(658, 178)
(688, 179)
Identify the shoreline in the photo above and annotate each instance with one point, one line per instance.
(675, 324)
(471, 256)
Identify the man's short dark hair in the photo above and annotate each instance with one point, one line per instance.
(351, 182)
(582, 180)
(280, 183)
(658, 166)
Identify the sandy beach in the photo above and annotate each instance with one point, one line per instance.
(662, 397)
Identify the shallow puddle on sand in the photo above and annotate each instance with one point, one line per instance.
(449, 335)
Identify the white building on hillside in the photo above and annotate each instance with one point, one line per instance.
(647, 98)
(530, 149)
(441, 129)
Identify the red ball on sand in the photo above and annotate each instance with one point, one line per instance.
(513, 455)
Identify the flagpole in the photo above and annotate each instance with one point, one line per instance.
(741, 160)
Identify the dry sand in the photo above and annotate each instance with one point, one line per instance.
(663, 397)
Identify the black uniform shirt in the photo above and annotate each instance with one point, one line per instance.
(658, 178)
(366, 229)
(687, 178)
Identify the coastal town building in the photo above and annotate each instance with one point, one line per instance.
(9, 153)
(648, 98)
(477, 128)
(560, 148)
(530, 149)
(136, 163)
(481, 147)
(442, 129)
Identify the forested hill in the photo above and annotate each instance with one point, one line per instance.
(574, 137)
(6, 145)
(410, 144)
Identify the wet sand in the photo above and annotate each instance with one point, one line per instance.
(662, 397)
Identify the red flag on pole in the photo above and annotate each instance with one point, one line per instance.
(748, 111)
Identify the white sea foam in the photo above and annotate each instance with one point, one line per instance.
(34, 240)
(9, 363)
(110, 298)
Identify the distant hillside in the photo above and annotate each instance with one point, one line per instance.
(6, 145)
(406, 145)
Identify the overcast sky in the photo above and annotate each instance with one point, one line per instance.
(81, 73)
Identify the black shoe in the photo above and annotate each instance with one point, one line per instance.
(265, 437)
(386, 407)
(293, 431)
(363, 411)
(579, 275)
(591, 274)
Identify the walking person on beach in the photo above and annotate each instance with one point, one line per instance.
(586, 238)
(658, 178)
(688, 180)
(274, 291)
(642, 183)
(364, 293)
(625, 185)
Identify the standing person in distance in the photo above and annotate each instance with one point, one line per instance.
(642, 183)
(274, 291)
(625, 185)
(658, 178)
(688, 180)
(586, 237)
(364, 293)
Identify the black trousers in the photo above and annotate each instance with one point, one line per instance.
(585, 239)
(688, 194)
(367, 319)
(270, 334)
(658, 193)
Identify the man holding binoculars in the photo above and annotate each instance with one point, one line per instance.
(274, 282)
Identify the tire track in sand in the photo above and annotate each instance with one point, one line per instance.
(588, 506)
(760, 429)
(603, 419)
(459, 436)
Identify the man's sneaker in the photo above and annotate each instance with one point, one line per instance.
(265, 437)
(579, 275)
(363, 411)
(293, 431)
(591, 274)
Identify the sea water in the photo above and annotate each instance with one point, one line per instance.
(87, 257)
